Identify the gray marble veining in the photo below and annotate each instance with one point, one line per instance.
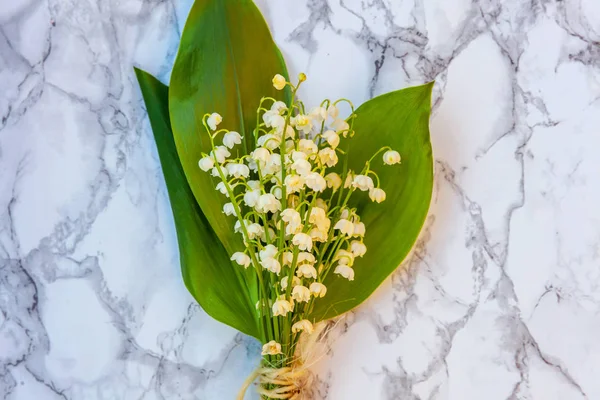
(499, 300)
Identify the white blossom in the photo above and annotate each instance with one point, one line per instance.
(315, 181)
(282, 307)
(359, 229)
(333, 181)
(220, 153)
(362, 182)
(228, 209)
(215, 172)
(340, 125)
(241, 258)
(251, 197)
(269, 251)
(213, 120)
(344, 257)
(319, 114)
(349, 179)
(345, 271)
(284, 282)
(288, 257)
(273, 165)
(294, 183)
(332, 138)
(278, 107)
(318, 235)
(318, 217)
(268, 202)
(261, 155)
(232, 138)
(206, 163)
(238, 170)
(307, 271)
(328, 156)
(317, 289)
(222, 188)
(301, 167)
(301, 293)
(279, 82)
(333, 111)
(391, 157)
(345, 226)
(271, 264)
(293, 221)
(303, 241)
(307, 146)
(302, 123)
(271, 349)
(377, 195)
(254, 231)
(303, 325)
(306, 257)
(269, 141)
(358, 248)
(320, 203)
(298, 155)
(273, 119)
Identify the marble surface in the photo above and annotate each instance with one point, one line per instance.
(500, 300)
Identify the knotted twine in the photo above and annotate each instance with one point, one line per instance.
(292, 381)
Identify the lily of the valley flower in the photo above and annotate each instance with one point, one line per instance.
(282, 307)
(238, 170)
(333, 181)
(359, 229)
(302, 123)
(301, 166)
(303, 325)
(220, 154)
(345, 271)
(308, 147)
(271, 264)
(228, 209)
(391, 157)
(268, 203)
(279, 82)
(332, 138)
(315, 181)
(358, 248)
(294, 183)
(213, 120)
(231, 139)
(317, 289)
(363, 182)
(328, 156)
(303, 241)
(377, 195)
(301, 294)
(206, 163)
(271, 349)
(284, 282)
(307, 271)
(345, 226)
(241, 258)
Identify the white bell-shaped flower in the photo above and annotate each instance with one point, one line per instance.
(317, 289)
(377, 195)
(206, 163)
(303, 325)
(303, 241)
(241, 258)
(345, 226)
(391, 157)
(232, 138)
(301, 294)
(213, 121)
(345, 271)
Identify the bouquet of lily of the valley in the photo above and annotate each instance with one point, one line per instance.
(287, 215)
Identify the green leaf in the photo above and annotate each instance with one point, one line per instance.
(217, 284)
(225, 64)
(400, 120)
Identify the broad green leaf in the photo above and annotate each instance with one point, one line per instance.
(217, 285)
(225, 64)
(400, 120)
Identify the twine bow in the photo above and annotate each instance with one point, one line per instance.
(294, 380)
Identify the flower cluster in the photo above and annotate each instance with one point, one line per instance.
(289, 198)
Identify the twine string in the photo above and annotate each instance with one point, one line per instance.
(292, 380)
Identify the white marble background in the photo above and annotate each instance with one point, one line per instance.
(501, 299)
